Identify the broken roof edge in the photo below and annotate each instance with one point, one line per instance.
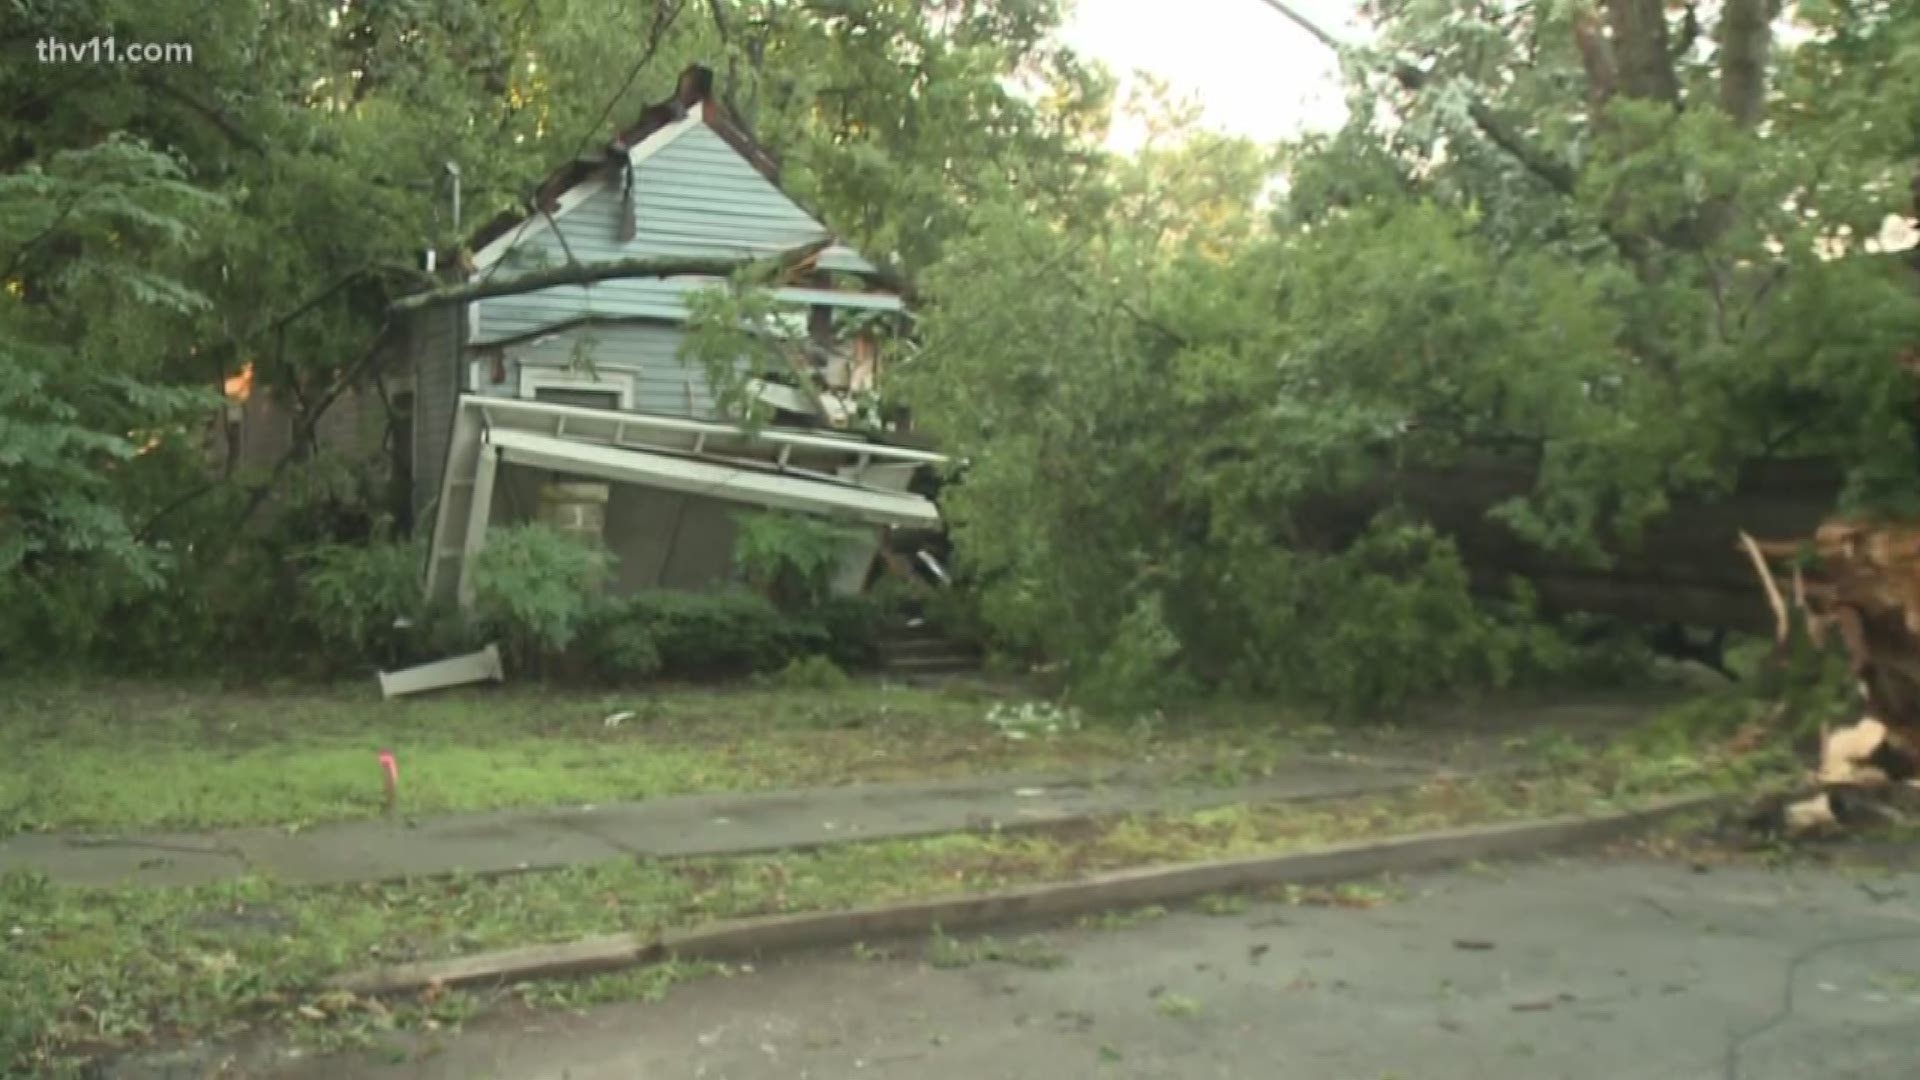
(729, 481)
(693, 99)
(803, 438)
(692, 88)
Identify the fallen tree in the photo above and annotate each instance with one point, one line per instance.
(1676, 571)
(1857, 585)
(775, 266)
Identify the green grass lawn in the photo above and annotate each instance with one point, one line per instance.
(89, 971)
(129, 755)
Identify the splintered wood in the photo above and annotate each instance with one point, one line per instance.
(1861, 588)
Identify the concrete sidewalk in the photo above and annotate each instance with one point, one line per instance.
(728, 824)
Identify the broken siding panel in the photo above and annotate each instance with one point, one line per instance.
(661, 380)
(696, 197)
(435, 339)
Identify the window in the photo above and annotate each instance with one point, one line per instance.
(566, 395)
(566, 386)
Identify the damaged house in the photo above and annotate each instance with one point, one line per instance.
(574, 405)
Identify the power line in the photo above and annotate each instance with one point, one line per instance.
(1306, 24)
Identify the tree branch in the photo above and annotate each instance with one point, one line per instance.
(19, 259)
(1557, 174)
(609, 270)
(212, 113)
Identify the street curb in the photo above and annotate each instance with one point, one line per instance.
(743, 938)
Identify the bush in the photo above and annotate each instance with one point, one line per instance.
(851, 627)
(1388, 619)
(616, 644)
(353, 595)
(809, 673)
(791, 558)
(689, 635)
(533, 588)
(956, 611)
(1140, 670)
(710, 635)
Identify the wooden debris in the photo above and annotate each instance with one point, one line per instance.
(1862, 587)
(1810, 815)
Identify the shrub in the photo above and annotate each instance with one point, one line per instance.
(851, 627)
(693, 635)
(1388, 619)
(791, 558)
(532, 588)
(353, 595)
(956, 611)
(1140, 670)
(616, 644)
(809, 673)
(718, 634)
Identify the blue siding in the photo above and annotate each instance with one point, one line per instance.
(662, 382)
(694, 197)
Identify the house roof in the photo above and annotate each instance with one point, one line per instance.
(693, 93)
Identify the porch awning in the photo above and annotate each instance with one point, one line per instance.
(736, 483)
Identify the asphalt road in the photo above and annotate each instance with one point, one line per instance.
(1607, 970)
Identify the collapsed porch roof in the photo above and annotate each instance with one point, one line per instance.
(645, 431)
(733, 482)
(845, 476)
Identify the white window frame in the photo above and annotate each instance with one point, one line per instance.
(534, 379)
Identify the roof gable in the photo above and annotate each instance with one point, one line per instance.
(689, 165)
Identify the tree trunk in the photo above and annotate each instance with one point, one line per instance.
(1746, 39)
(1596, 56)
(611, 270)
(1685, 568)
(1640, 46)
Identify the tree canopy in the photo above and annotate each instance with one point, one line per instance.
(1633, 244)
(1635, 247)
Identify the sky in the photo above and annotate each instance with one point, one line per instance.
(1253, 71)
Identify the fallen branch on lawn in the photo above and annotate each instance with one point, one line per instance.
(777, 266)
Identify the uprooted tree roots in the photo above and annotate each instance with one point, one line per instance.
(1858, 583)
